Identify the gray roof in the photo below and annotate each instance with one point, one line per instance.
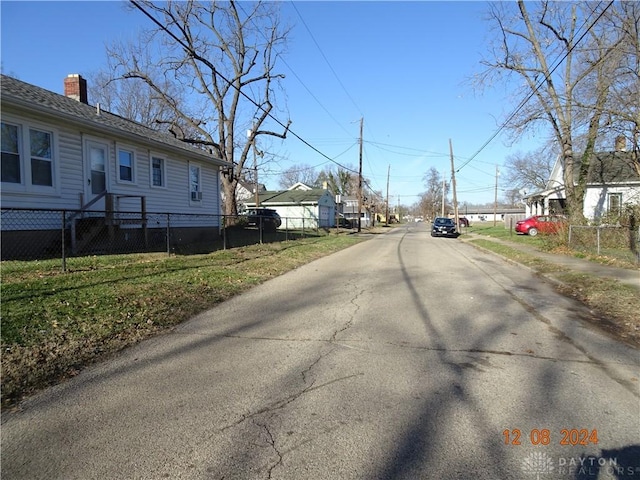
(291, 197)
(605, 168)
(612, 167)
(20, 94)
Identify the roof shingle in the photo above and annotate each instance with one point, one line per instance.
(19, 93)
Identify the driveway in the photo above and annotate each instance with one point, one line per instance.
(403, 357)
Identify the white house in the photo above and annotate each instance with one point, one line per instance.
(612, 182)
(350, 212)
(60, 153)
(246, 192)
(300, 206)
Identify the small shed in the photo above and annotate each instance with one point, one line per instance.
(300, 206)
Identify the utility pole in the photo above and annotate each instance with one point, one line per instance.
(251, 136)
(255, 173)
(495, 201)
(453, 185)
(360, 180)
(444, 185)
(387, 213)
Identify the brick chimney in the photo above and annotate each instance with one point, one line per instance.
(76, 87)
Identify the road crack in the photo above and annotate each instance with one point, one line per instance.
(349, 323)
(280, 404)
(272, 442)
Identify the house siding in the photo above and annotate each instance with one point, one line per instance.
(70, 173)
(608, 174)
(596, 203)
(71, 176)
(25, 206)
(67, 178)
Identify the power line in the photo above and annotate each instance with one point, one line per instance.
(325, 58)
(298, 77)
(334, 73)
(198, 57)
(536, 88)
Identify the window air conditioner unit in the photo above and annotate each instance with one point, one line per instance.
(196, 196)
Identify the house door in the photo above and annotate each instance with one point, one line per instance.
(96, 161)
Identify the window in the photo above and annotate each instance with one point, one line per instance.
(195, 183)
(98, 154)
(125, 165)
(28, 157)
(157, 172)
(41, 158)
(11, 171)
(614, 203)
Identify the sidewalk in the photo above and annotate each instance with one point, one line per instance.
(623, 275)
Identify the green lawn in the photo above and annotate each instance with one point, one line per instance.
(618, 254)
(53, 323)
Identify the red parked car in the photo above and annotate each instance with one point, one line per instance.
(540, 224)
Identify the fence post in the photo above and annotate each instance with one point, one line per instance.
(168, 234)
(224, 232)
(64, 253)
(143, 211)
(633, 242)
(74, 245)
(569, 239)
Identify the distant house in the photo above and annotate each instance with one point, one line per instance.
(612, 182)
(350, 212)
(300, 206)
(59, 152)
(245, 192)
(499, 213)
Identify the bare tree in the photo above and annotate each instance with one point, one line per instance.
(430, 202)
(528, 171)
(622, 110)
(512, 197)
(533, 46)
(221, 59)
(298, 173)
(132, 99)
(341, 181)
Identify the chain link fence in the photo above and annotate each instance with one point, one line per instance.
(608, 240)
(38, 234)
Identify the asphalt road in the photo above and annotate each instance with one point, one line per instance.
(403, 357)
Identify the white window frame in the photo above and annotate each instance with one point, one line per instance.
(197, 192)
(24, 152)
(125, 148)
(105, 145)
(18, 153)
(163, 169)
(47, 160)
(618, 208)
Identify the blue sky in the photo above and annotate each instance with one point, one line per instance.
(402, 66)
